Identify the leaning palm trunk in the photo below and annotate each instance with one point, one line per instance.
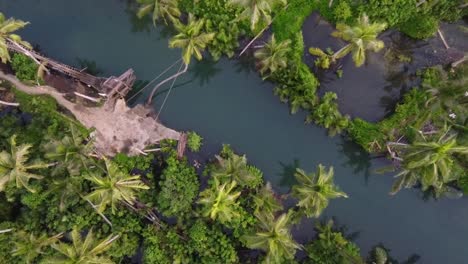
(341, 53)
(150, 98)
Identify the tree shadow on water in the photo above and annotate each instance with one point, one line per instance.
(204, 71)
(287, 173)
(357, 158)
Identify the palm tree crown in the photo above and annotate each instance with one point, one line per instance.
(165, 9)
(361, 37)
(314, 190)
(82, 252)
(191, 39)
(7, 27)
(235, 168)
(273, 55)
(115, 187)
(274, 237)
(29, 246)
(257, 10)
(220, 202)
(14, 166)
(429, 161)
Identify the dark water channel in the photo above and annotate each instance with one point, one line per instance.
(227, 103)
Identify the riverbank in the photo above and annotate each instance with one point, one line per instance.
(237, 102)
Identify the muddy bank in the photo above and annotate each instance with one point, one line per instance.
(372, 91)
(116, 128)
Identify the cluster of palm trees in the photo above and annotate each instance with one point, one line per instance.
(271, 234)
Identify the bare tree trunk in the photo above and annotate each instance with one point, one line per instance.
(339, 51)
(443, 39)
(330, 3)
(255, 38)
(420, 3)
(460, 61)
(8, 104)
(260, 33)
(150, 98)
(25, 51)
(463, 5)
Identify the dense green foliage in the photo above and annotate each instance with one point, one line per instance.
(331, 247)
(220, 18)
(25, 68)
(194, 141)
(179, 188)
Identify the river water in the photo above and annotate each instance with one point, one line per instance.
(226, 102)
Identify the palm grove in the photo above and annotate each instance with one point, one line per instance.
(59, 205)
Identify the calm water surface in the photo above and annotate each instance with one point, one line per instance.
(226, 103)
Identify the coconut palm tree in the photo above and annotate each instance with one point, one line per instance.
(192, 41)
(430, 161)
(257, 10)
(14, 166)
(273, 237)
(87, 251)
(235, 168)
(273, 55)
(361, 37)
(266, 201)
(165, 9)
(7, 27)
(116, 186)
(220, 202)
(71, 151)
(28, 246)
(315, 190)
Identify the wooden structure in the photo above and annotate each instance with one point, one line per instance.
(111, 86)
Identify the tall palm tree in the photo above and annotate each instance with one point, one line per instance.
(7, 27)
(87, 251)
(273, 237)
(431, 161)
(257, 10)
(220, 202)
(192, 41)
(273, 55)
(28, 246)
(235, 168)
(265, 200)
(315, 190)
(71, 151)
(113, 188)
(14, 166)
(361, 37)
(165, 9)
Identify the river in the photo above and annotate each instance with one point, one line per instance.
(225, 102)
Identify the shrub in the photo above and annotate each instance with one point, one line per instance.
(342, 11)
(194, 141)
(25, 68)
(179, 187)
(420, 27)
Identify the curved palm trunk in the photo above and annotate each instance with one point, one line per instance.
(150, 98)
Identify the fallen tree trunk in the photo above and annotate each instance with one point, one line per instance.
(116, 129)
